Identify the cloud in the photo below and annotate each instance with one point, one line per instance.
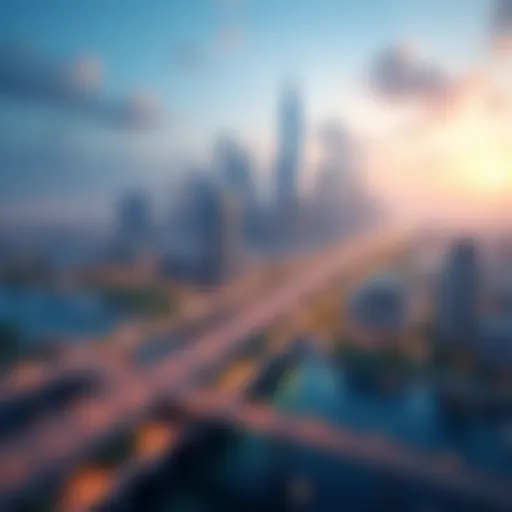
(502, 18)
(73, 85)
(501, 28)
(398, 73)
(229, 39)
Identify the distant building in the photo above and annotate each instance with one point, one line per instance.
(133, 224)
(498, 278)
(289, 153)
(235, 171)
(209, 245)
(457, 305)
(495, 342)
(377, 309)
(341, 201)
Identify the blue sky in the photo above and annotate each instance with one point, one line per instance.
(211, 65)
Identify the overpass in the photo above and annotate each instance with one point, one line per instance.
(240, 410)
(379, 452)
(61, 442)
(426, 471)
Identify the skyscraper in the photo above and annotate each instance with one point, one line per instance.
(289, 149)
(211, 221)
(235, 169)
(457, 303)
(377, 309)
(336, 187)
(342, 203)
(134, 223)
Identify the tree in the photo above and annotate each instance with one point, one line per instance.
(10, 343)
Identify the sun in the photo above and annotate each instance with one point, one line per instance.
(480, 160)
(485, 170)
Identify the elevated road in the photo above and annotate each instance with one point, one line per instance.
(62, 442)
(433, 471)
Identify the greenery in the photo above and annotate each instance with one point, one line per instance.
(385, 358)
(455, 362)
(24, 273)
(11, 347)
(143, 300)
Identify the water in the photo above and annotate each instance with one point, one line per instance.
(411, 415)
(41, 314)
(263, 474)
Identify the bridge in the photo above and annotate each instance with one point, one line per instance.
(404, 464)
(55, 446)
(374, 450)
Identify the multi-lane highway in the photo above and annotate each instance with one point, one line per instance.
(63, 441)
(434, 471)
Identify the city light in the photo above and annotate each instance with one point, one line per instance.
(256, 255)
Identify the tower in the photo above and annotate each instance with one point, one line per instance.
(235, 169)
(133, 219)
(212, 221)
(457, 302)
(290, 138)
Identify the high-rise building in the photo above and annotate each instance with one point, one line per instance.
(235, 169)
(377, 310)
(341, 200)
(336, 189)
(457, 302)
(211, 222)
(133, 221)
(289, 149)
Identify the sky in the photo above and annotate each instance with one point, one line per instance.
(99, 95)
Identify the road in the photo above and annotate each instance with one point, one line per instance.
(374, 450)
(27, 379)
(62, 442)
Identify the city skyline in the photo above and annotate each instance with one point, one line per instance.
(166, 79)
(256, 255)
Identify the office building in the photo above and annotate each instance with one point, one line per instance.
(235, 171)
(377, 310)
(134, 223)
(209, 245)
(289, 153)
(458, 292)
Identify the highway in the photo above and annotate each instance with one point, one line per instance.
(428, 471)
(374, 450)
(138, 337)
(63, 441)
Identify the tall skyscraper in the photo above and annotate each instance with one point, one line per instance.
(134, 224)
(235, 169)
(336, 187)
(342, 203)
(289, 149)
(457, 303)
(212, 221)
